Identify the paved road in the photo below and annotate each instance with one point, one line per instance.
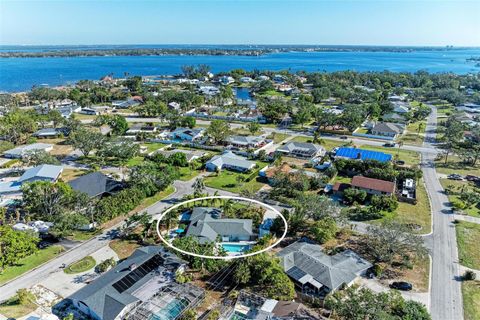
(445, 295)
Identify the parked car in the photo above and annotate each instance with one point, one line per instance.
(389, 144)
(471, 177)
(454, 176)
(401, 285)
(343, 137)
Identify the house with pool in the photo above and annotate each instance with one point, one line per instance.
(207, 225)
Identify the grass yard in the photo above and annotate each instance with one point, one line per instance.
(341, 179)
(69, 174)
(278, 137)
(13, 309)
(78, 235)
(418, 275)
(123, 248)
(227, 180)
(154, 146)
(455, 165)
(415, 133)
(471, 300)
(186, 173)
(81, 265)
(410, 157)
(147, 202)
(457, 187)
(135, 161)
(418, 214)
(468, 238)
(30, 262)
(10, 163)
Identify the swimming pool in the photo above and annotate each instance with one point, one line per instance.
(235, 248)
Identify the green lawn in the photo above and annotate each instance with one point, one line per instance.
(455, 165)
(418, 214)
(227, 180)
(81, 265)
(186, 173)
(410, 157)
(30, 262)
(123, 248)
(147, 202)
(13, 309)
(278, 137)
(341, 179)
(457, 186)
(468, 238)
(413, 136)
(78, 235)
(135, 161)
(362, 131)
(10, 163)
(153, 146)
(471, 300)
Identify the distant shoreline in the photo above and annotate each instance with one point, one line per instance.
(98, 51)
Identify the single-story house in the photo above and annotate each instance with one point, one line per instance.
(141, 128)
(388, 129)
(123, 104)
(302, 150)
(95, 184)
(362, 154)
(51, 133)
(226, 80)
(317, 273)
(190, 154)
(246, 80)
(133, 281)
(21, 151)
(273, 172)
(187, 134)
(174, 105)
(252, 306)
(45, 172)
(207, 225)
(209, 90)
(373, 186)
(229, 160)
(246, 141)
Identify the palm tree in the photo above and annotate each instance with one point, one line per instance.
(198, 186)
(227, 206)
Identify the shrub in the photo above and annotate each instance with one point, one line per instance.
(105, 265)
(25, 297)
(387, 203)
(352, 195)
(469, 275)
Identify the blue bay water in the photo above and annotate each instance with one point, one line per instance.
(20, 74)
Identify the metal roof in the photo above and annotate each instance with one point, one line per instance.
(45, 171)
(362, 154)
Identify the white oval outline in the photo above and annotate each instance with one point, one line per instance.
(221, 257)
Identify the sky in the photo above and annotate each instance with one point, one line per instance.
(328, 22)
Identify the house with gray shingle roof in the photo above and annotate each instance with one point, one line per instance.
(388, 129)
(95, 184)
(317, 273)
(21, 151)
(132, 282)
(206, 225)
(229, 160)
(246, 141)
(304, 150)
(45, 172)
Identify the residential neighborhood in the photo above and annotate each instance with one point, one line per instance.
(140, 209)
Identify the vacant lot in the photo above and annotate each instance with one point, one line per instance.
(456, 165)
(457, 187)
(13, 309)
(468, 238)
(417, 215)
(415, 133)
(471, 299)
(30, 262)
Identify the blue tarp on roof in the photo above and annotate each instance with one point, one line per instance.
(354, 153)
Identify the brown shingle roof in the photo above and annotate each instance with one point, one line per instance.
(373, 184)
